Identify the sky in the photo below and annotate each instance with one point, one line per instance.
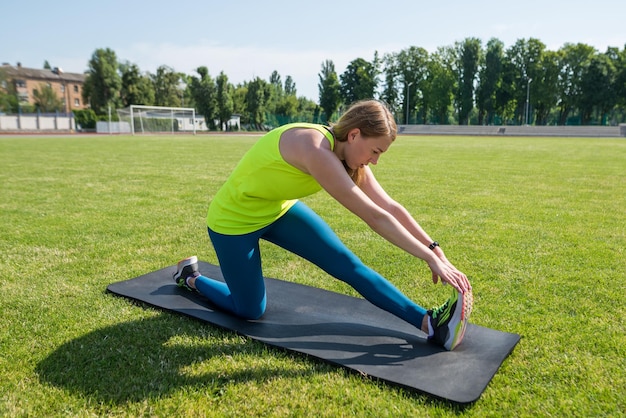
(252, 38)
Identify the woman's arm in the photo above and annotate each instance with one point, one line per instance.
(375, 191)
(310, 151)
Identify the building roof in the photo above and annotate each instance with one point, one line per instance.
(55, 74)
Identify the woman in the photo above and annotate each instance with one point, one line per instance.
(259, 200)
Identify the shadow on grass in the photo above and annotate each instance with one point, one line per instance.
(134, 361)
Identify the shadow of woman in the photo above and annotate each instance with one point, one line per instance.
(137, 360)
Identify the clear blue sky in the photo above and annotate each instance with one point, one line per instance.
(251, 38)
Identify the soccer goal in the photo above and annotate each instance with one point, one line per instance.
(158, 119)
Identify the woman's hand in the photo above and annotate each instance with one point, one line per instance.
(447, 273)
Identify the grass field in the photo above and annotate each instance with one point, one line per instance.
(538, 224)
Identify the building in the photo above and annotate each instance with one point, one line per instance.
(67, 86)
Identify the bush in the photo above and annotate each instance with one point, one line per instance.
(85, 118)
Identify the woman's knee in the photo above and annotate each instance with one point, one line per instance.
(251, 311)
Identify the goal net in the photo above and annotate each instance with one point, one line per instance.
(157, 119)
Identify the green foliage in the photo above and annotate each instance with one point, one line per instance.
(46, 100)
(359, 81)
(203, 91)
(86, 118)
(390, 91)
(439, 86)
(166, 87)
(102, 84)
(596, 85)
(329, 90)
(462, 83)
(489, 81)
(469, 52)
(545, 89)
(225, 104)
(256, 98)
(8, 99)
(546, 258)
(137, 89)
(412, 66)
(574, 60)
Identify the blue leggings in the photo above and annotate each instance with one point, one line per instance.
(304, 233)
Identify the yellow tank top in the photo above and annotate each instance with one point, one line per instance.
(262, 187)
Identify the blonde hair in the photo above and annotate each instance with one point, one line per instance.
(372, 118)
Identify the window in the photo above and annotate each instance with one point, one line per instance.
(75, 88)
(76, 102)
(62, 88)
(20, 83)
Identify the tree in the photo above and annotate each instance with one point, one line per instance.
(329, 87)
(412, 67)
(392, 83)
(46, 100)
(8, 96)
(597, 89)
(46, 65)
(290, 86)
(136, 88)
(308, 110)
(545, 95)
(490, 79)
(288, 107)
(224, 100)
(619, 61)
(258, 93)
(360, 80)
(239, 102)
(166, 87)
(276, 83)
(574, 59)
(620, 76)
(469, 52)
(525, 57)
(506, 104)
(203, 92)
(440, 84)
(284, 101)
(102, 83)
(275, 95)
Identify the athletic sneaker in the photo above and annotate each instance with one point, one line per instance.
(187, 267)
(450, 319)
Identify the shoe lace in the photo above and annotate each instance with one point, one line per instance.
(440, 309)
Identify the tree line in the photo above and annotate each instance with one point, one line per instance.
(465, 83)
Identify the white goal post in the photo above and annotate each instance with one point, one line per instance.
(159, 119)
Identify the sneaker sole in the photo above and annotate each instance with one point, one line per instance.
(186, 262)
(459, 330)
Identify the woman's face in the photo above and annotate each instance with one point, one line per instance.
(362, 151)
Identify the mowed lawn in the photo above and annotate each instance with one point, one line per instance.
(538, 224)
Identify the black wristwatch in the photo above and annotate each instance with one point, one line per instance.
(433, 245)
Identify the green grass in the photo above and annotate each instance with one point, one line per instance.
(537, 224)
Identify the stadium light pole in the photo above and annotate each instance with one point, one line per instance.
(528, 100)
(407, 101)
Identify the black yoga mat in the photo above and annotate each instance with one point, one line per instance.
(343, 330)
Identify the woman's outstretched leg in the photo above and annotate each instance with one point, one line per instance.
(304, 233)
